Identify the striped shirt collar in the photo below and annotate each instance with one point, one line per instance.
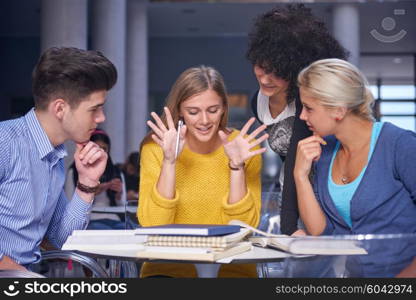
(40, 138)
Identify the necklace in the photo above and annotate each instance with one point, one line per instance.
(347, 158)
(344, 179)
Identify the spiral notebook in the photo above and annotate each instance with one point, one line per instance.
(192, 254)
(220, 242)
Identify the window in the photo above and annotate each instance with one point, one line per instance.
(397, 105)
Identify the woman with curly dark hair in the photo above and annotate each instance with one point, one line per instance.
(283, 41)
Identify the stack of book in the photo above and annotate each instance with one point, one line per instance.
(204, 242)
(193, 242)
(171, 242)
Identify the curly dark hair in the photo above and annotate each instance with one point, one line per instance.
(285, 40)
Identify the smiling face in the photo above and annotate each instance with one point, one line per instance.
(270, 85)
(80, 122)
(202, 115)
(319, 118)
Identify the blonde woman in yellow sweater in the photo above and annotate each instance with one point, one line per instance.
(215, 177)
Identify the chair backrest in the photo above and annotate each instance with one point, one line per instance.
(270, 212)
(130, 218)
(19, 274)
(85, 261)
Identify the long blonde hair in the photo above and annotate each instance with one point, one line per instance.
(337, 83)
(191, 82)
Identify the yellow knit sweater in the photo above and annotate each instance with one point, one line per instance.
(202, 186)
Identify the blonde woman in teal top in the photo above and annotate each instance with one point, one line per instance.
(364, 171)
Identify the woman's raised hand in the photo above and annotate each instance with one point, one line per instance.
(238, 150)
(166, 137)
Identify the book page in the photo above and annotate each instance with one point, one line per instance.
(262, 233)
(280, 243)
(95, 232)
(102, 240)
(326, 246)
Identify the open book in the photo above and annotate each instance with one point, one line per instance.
(318, 245)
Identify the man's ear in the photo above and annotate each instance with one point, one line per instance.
(58, 107)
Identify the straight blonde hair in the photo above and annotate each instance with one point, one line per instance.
(337, 83)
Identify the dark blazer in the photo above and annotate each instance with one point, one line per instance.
(289, 212)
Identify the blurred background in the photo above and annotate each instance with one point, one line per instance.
(152, 42)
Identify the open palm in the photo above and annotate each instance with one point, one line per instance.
(239, 149)
(165, 137)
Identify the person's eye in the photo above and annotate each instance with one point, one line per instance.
(95, 109)
(192, 112)
(213, 111)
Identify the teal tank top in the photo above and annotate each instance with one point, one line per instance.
(342, 194)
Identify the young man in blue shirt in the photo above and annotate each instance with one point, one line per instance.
(69, 87)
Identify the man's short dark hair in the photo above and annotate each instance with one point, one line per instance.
(287, 39)
(71, 74)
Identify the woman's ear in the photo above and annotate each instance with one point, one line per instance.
(339, 113)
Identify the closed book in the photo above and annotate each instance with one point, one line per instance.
(104, 242)
(189, 229)
(222, 241)
(99, 232)
(192, 253)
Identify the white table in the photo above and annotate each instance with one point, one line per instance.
(204, 269)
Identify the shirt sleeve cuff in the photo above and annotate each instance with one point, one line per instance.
(164, 202)
(79, 207)
(240, 207)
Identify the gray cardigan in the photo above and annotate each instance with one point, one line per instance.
(384, 202)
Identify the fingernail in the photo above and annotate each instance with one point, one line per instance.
(324, 143)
